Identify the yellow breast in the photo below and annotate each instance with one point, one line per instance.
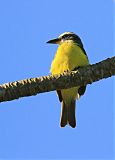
(68, 57)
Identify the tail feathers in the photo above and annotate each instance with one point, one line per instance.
(68, 115)
(63, 121)
(71, 114)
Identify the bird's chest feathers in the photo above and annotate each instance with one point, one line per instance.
(68, 56)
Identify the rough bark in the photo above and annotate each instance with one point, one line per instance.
(33, 86)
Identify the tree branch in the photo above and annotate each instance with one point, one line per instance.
(33, 86)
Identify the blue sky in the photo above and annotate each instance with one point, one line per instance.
(29, 127)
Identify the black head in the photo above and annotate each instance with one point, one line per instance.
(67, 36)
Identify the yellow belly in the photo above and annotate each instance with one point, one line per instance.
(68, 57)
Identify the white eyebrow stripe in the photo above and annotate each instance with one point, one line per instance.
(66, 33)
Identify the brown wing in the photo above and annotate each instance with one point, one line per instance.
(81, 90)
(59, 95)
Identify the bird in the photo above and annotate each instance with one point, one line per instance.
(70, 56)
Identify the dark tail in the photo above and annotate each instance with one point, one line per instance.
(71, 114)
(68, 115)
(63, 120)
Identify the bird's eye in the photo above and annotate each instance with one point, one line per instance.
(64, 36)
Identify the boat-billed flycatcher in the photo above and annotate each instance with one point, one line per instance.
(70, 55)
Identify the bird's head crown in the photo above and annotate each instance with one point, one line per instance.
(67, 37)
(67, 34)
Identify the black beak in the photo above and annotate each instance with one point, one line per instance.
(54, 41)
